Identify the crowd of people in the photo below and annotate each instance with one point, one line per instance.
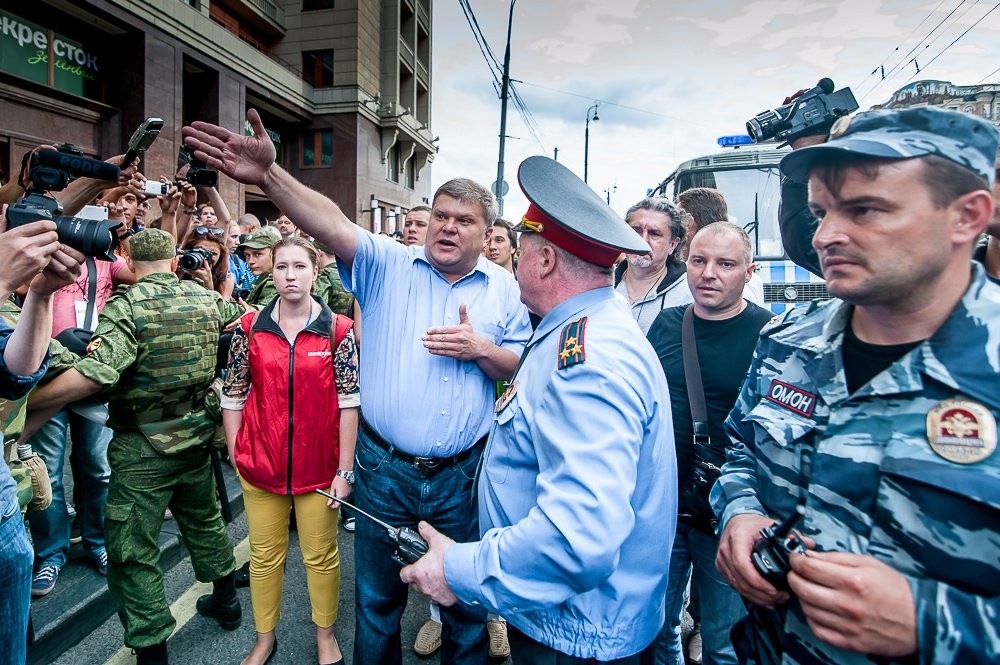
(591, 421)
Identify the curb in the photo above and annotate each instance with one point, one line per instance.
(82, 602)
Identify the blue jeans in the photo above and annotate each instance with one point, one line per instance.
(15, 576)
(395, 491)
(721, 606)
(88, 459)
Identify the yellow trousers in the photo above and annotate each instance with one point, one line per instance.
(267, 517)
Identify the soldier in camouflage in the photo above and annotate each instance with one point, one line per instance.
(328, 285)
(875, 413)
(154, 352)
(257, 250)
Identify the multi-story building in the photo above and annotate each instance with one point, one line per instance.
(343, 87)
(979, 100)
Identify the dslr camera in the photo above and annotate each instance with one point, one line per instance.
(52, 171)
(813, 112)
(194, 258)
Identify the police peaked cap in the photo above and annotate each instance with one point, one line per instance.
(568, 213)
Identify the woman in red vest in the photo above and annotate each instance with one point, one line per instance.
(290, 411)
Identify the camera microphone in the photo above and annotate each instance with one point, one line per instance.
(824, 85)
(77, 165)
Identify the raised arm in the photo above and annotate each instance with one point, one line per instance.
(250, 160)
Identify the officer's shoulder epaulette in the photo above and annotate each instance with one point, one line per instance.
(571, 343)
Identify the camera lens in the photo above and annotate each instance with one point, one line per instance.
(192, 260)
(91, 237)
(764, 126)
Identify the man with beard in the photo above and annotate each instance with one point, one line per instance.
(654, 282)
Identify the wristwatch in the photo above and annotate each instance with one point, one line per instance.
(346, 475)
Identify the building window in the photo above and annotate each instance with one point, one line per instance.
(409, 170)
(313, 5)
(317, 149)
(317, 68)
(393, 163)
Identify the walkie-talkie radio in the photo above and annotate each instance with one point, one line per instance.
(772, 552)
(409, 545)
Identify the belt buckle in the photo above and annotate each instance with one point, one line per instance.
(425, 465)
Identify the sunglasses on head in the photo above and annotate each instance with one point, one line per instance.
(206, 230)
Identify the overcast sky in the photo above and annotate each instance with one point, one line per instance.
(671, 77)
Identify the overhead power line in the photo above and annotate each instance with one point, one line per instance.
(964, 33)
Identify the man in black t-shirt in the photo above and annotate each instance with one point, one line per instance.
(725, 329)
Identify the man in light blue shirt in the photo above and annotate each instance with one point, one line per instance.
(577, 496)
(442, 325)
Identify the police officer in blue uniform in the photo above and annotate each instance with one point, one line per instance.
(874, 414)
(577, 496)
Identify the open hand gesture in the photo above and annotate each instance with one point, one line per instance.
(246, 159)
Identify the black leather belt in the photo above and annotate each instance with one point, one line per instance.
(425, 465)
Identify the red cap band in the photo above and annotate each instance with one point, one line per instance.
(577, 245)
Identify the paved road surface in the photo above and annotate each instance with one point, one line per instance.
(200, 641)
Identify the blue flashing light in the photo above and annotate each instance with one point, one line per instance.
(731, 141)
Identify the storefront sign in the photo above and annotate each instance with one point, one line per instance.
(25, 51)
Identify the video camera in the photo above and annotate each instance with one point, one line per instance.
(52, 171)
(198, 173)
(813, 112)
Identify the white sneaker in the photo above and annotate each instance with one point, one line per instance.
(694, 647)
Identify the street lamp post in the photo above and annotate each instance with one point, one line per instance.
(586, 138)
(504, 94)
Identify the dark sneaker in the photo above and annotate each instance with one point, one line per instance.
(44, 580)
(242, 576)
(100, 559)
(74, 530)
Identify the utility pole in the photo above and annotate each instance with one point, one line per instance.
(504, 94)
(555, 154)
(586, 138)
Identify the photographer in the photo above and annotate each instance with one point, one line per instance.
(32, 253)
(205, 259)
(154, 352)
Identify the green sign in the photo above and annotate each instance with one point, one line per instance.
(274, 136)
(26, 49)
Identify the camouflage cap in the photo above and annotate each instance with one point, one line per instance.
(259, 239)
(152, 245)
(963, 138)
(323, 248)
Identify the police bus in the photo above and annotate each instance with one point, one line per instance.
(747, 175)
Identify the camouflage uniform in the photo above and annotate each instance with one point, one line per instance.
(331, 291)
(155, 343)
(864, 467)
(13, 412)
(263, 291)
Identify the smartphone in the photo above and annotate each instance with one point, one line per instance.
(142, 138)
(156, 188)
